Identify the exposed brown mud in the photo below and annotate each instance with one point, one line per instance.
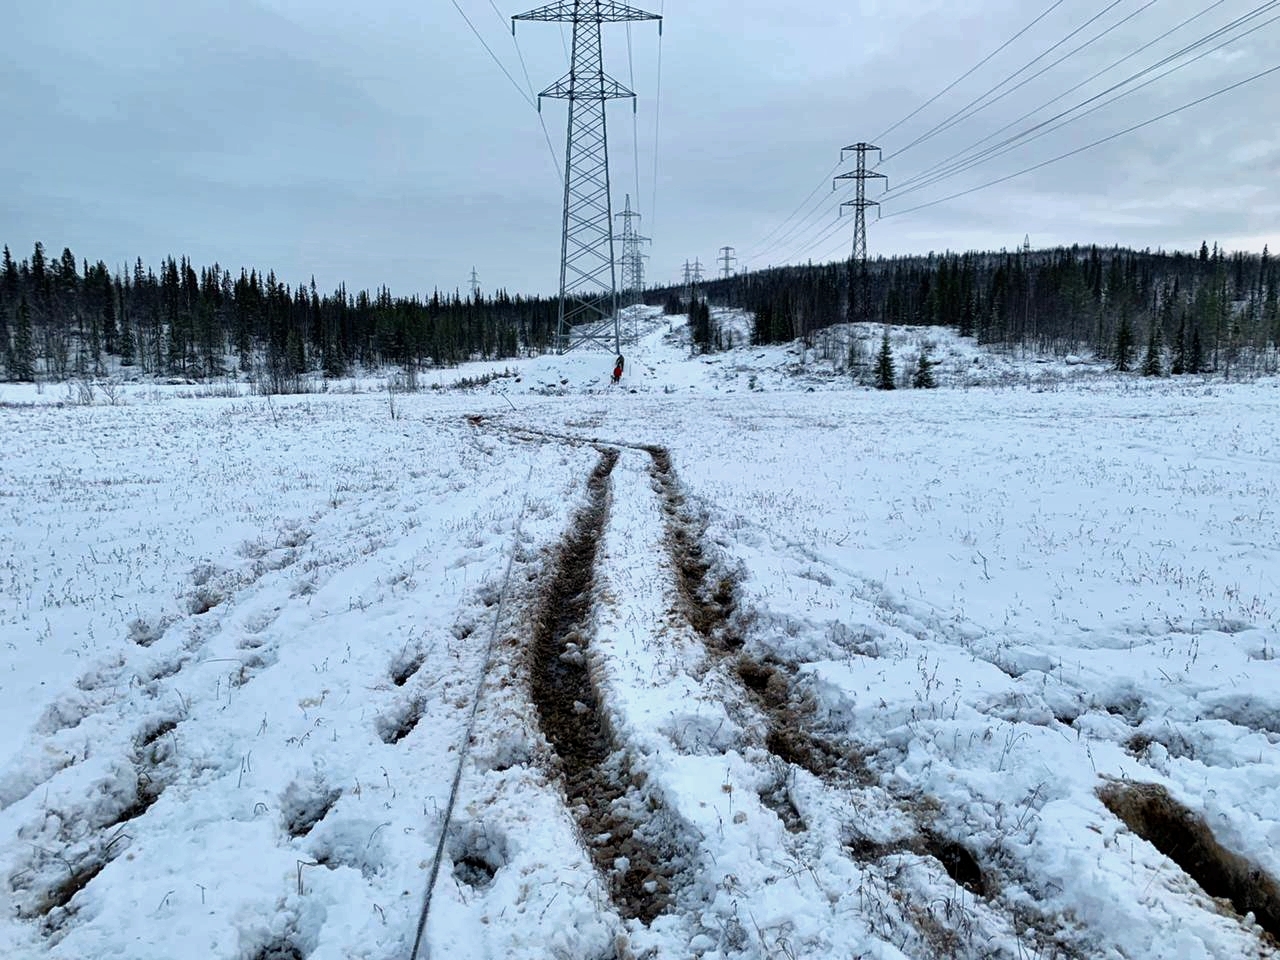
(623, 829)
(709, 603)
(1185, 838)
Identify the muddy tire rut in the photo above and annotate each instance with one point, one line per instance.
(623, 826)
(709, 603)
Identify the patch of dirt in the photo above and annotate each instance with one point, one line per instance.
(406, 665)
(282, 949)
(61, 894)
(778, 799)
(147, 792)
(1185, 838)
(303, 807)
(617, 823)
(708, 606)
(960, 864)
(396, 726)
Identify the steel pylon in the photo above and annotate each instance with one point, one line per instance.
(632, 258)
(588, 273)
(859, 290)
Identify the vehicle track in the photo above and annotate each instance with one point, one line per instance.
(621, 823)
(707, 599)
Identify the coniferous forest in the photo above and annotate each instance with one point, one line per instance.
(1197, 312)
(60, 318)
(1184, 312)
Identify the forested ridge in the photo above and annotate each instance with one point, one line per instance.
(1207, 311)
(1204, 311)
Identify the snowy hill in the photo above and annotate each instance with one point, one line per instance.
(735, 659)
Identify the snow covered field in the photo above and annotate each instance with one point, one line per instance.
(775, 668)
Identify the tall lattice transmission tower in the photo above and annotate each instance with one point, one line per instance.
(858, 290)
(588, 274)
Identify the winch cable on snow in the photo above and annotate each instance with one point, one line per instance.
(465, 750)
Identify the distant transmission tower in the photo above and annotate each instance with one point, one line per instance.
(632, 258)
(588, 276)
(860, 175)
(475, 285)
(727, 259)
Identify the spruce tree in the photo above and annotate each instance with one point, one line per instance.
(125, 342)
(700, 324)
(1151, 363)
(23, 365)
(922, 379)
(1180, 349)
(884, 365)
(1195, 363)
(1124, 342)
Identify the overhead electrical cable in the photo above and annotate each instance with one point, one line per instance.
(1048, 103)
(952, 120)
(760, 245)
(542, 121)
(1045, 69)
(523, 95)
(1052, 124)
(657, 124)
(964, 76)
(763, 245)
(1089, 146)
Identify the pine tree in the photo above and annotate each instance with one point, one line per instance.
(922, 379)
(1124, 342)
(1195, 363)
(884, 364)
(1151, 363)
(23, 365)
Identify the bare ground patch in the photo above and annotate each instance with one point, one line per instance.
(1185, 838)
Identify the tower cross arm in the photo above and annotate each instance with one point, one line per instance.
(858, 175)
(602, 11)
(858, 148)
(566, 89)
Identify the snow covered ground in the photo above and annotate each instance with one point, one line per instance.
(767, 666)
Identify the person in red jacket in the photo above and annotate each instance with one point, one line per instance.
(617, 369)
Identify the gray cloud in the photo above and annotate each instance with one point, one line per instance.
(373, 145)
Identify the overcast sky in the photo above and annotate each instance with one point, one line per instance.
(378, 143)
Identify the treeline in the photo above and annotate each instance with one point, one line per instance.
(1204, 311)
(61, 319)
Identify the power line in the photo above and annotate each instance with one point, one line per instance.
(759, 245)
(1048, 103)
(964, 76)
(542, 121)
(524, 96)
(635, 114)
(1043, 70)
(1056, 159)
(1045, 127)
(949, 122)
(973, 162)
(657, 124)
(1089, 146)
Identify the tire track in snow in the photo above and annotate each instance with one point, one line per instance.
(601, 788)
(709, 602)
